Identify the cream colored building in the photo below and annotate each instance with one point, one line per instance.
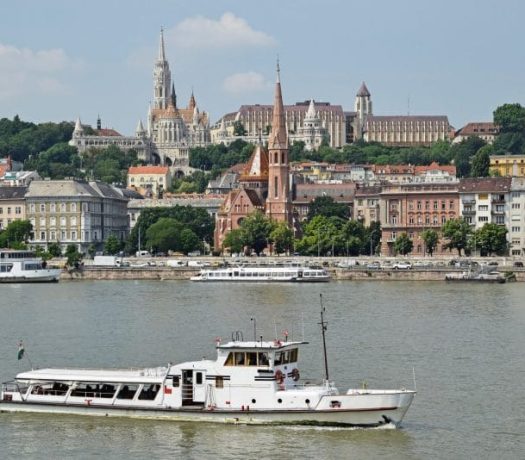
(12, 205)
(150, 181)
(76, 212)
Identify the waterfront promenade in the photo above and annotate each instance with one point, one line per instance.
(427, 269)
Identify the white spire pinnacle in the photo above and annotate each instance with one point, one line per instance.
(311, 110)
(162, 54)
(78, 125)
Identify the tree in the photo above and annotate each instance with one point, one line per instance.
(373, 237)
(282, 237)
(73, 256)
(326, 206)
(256, 229)
(233, 241)
(112, 245)
(188, 241)
(491, 239)
(510, 118)
(54, 250)
(16, 234)
(238, 129)
(457, 231)
(163, 235)
(403, 244)
(481, 162)
(431, 240)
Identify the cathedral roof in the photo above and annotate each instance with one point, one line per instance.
(257, 166)
(363, 91)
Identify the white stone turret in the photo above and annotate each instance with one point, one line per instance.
(161, 78)
(363, 108)
(195, 116)
(78, 131)
(311, 113)
(140, 131)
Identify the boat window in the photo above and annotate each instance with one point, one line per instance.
(52, 389)
(263, 358)
(5, 268)
(219, 381)
(229, 360)
(282, 358)
(294, 355)
(176, 381)
(90, 390)
(149, 392)
(239, 358)
(198, 378)
(277, 360)
(127, 392)
(251, 358)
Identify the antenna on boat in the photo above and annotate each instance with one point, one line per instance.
(414, 377)
(254, 328)
(323, 325)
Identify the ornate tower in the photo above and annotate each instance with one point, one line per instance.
(363, 108)
(161, 78)
(278, 204)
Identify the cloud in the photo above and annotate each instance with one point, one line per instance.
(247, 82)
(226, 32)
(24, 71)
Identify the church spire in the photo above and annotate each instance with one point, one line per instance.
(278, 136)
(173, 95)
(162, 54)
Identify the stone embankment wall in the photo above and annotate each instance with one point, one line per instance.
(361, 274)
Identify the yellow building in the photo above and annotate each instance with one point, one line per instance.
(507, 165)
(149, 181)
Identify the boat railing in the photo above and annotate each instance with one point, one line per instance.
(13, 386)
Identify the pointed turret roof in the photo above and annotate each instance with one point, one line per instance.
(78, 125)
(311, 110)
(173, 95)
(192, 103)
(363, 91)
(278, 138)
(140, 127)
(195, 115)
(162, 54)
(257, 166)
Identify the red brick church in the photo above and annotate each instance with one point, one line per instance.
(264, 182)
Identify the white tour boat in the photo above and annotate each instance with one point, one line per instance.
(252, 382)
(17, 266)
(266, 273)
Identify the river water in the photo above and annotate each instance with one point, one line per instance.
(465, 341)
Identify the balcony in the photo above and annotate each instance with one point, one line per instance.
(469, 212)
(469, 201)
(497, 212)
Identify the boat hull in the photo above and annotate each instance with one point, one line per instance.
(360, 417)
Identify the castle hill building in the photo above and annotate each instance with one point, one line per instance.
(366, 204)
(264, 182)
(413, 208)
(485, 130)
(171, 130)
(75, 212)
(507, 165)
(12, 205)
(304, 194)
(309, 121)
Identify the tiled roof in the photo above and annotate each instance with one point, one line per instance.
(478, 128)
(11, 193)
(393, 169)
(485, 184)
(107, 132)
(257, 167)
(368, 190)
(405, 118)
(148, 169)
(451, 169)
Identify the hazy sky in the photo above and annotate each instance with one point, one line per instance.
(60, 59)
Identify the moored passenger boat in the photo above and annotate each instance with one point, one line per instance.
(256, 382)
(265, 273)
(17, 266)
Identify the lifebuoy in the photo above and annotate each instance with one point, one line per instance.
(295, 374)
(279, 376)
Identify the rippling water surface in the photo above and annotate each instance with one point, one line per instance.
(466, 343)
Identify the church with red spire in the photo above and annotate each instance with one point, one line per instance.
(264, 182)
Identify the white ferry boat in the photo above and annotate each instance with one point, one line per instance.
(25, 267)
(265, 273)
(251, 382)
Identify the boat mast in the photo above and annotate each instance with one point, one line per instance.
(324, 324)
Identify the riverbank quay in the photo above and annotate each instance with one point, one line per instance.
(357, 273)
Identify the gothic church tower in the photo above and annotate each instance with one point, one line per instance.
(363, 108)
(278, 204)
(161, 78)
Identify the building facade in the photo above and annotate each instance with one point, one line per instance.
(507, 165)
(150, 181)
(413, 208)
(516, 223)
(12, 205)
(484, 130)
(76, 212)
